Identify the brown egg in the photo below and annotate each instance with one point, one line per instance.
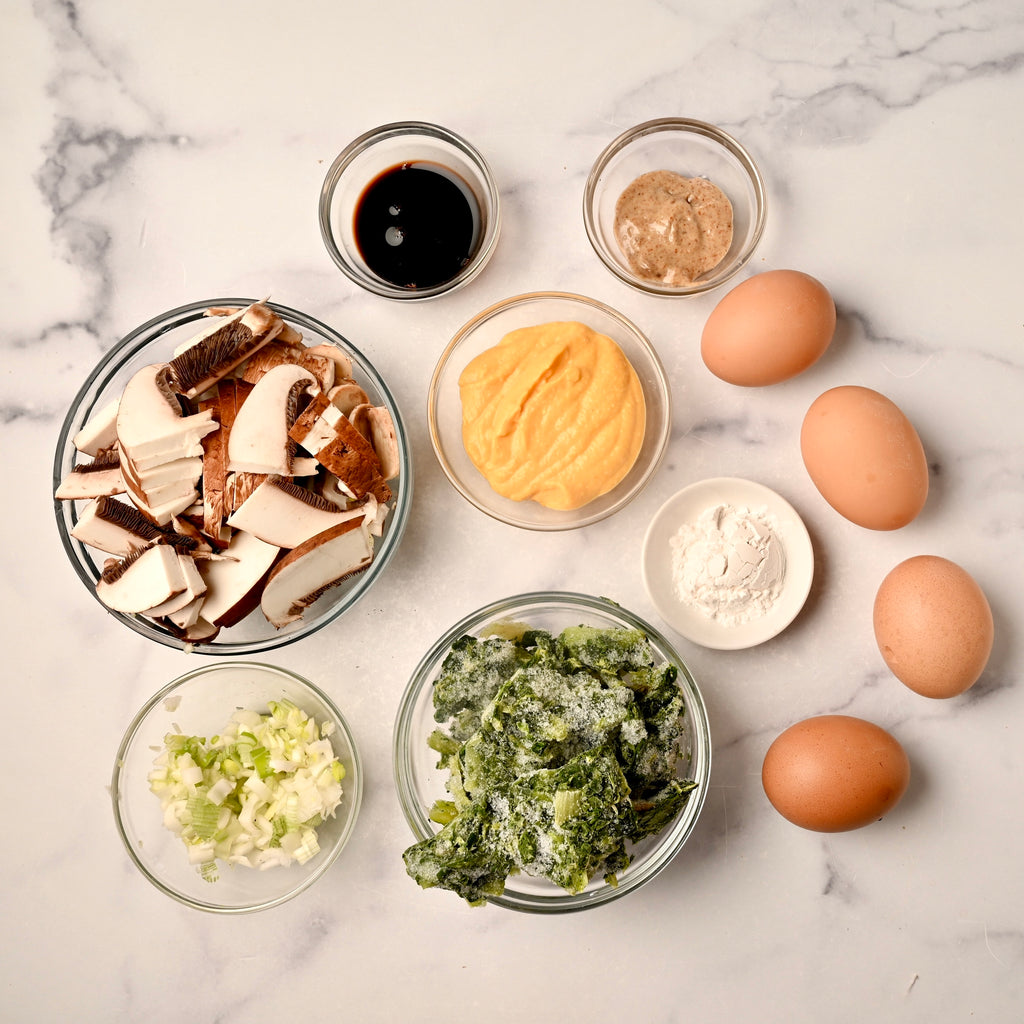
(768, 328)
(834, 773)
(933, 626)
(865, 457)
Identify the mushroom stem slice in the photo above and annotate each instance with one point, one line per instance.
(347, 395)
(342, 363)
(314, 567)
(384, 440)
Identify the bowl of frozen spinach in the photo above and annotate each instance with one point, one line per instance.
(551, 753)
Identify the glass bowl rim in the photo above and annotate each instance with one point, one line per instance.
(133, 343)
(354, 795)
(673, 837)
(394, 130)
(690, 126)
(663, 388)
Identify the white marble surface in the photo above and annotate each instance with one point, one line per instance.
(158, 154)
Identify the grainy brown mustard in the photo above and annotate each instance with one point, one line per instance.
(672, 229)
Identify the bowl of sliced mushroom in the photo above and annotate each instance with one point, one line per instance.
(231, 477)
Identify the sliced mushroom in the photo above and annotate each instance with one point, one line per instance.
(259, 441)
(384, 441)
(342, 363)
(142, 580)
(316, 425)
(216, 351)
(235, 580)
(347, 395)
(277, 353)
(185, 617)
(150, 426)
(283, 513)
(163, 491)
(326, 432)
(224, 401)
(238, 489)
(189, 536)
(359, 417)
(199, 632)
(317, 565)
(289, 335)
(100, 431)
(333, 490)
(115, 527)
(96, 479)
(195, 586)
(359, 473)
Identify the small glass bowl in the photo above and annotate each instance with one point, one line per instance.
(389, 146)
(154, 342)
(420, 782)
(444, 406)
(201, 703)
(690, 148)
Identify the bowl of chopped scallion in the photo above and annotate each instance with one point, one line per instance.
(236, 787)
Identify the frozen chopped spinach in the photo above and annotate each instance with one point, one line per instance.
(560, 751)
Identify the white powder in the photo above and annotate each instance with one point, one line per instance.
(729, 564)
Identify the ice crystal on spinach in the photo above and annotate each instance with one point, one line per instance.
(560, 751)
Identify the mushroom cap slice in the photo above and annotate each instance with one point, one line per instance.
(283, 513)
(100, 478)
(141, 581)
(234, 579)
(195, 586)
(115, 527)
(277, 353)
(259, 441)
(175, 492)
(150, 423)
(317, 565)
(217, 350)
(100, 431)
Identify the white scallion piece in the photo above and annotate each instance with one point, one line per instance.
(253, 796)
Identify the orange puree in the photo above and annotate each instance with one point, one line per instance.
(554, 413)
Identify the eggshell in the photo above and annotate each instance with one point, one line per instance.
(768, 328)
(865, 457)
(933, 625)
(833, 773)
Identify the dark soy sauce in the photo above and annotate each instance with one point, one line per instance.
(416, 226)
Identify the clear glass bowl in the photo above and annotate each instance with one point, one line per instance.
(695, 150)
(380, 150)
(154, 341)
(444, 406)
(201, 703)
(420, 782)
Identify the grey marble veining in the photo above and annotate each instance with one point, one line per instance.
(158, 155)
